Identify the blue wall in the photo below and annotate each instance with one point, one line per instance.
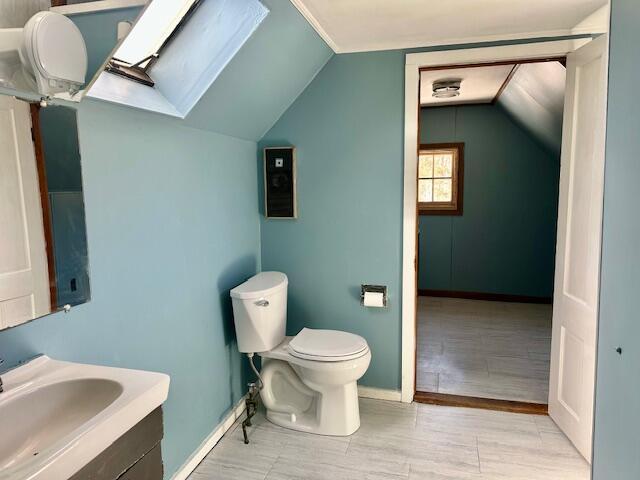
(59, 130)
(347, 127)
(617, 418)
(505, 240)
(271, 69)
(172, 225)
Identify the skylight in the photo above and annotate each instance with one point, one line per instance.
(159, 20)
(175, 51)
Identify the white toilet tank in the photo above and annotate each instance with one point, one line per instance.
(260, 312)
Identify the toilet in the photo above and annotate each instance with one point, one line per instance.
(47, 56)
(310, 379)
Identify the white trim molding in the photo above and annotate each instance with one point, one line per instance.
(379, 393)
(415, 61)
(302, 8)
(98, 6)
(211, 441)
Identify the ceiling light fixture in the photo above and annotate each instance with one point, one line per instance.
(446, 88)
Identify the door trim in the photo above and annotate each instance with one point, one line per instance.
(413, 63)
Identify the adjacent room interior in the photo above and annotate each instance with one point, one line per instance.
(488, 173)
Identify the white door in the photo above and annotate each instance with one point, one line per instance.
(575, 301)
(24, 276)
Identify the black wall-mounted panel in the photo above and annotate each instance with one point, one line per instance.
(280, 182)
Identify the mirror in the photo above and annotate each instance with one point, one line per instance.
(43, 244)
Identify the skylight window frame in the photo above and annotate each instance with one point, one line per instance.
(190, 63)
(139, 72)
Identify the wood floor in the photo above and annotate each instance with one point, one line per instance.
(484, 349)
(402, 441)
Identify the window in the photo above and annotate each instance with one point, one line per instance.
(139, 50)
(175, 52)
(440, 175)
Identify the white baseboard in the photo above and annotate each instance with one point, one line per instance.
(207, 445)
(379, 393)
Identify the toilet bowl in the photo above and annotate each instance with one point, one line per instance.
(310, 379)
(313, 395)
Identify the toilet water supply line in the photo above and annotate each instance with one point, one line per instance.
(251, 402)
(255, 370)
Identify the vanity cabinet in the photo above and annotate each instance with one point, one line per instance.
(136, 455)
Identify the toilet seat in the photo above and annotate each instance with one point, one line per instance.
(44, 34)
(327, 345)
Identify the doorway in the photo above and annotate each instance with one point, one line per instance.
(488, 177)
(574, 323)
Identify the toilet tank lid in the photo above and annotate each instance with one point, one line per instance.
(260, 285)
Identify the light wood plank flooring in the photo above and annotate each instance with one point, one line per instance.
(484, 349)
(402, 441)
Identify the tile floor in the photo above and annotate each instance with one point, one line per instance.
(484, 349)
(402, 441)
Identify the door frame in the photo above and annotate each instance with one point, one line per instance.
(413, 63)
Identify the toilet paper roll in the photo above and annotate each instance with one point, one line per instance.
(373, 299)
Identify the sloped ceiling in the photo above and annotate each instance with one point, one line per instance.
(532, 95)
(534, 99)
(265, 77)
(268, 73)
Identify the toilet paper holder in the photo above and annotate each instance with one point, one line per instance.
(374, 289)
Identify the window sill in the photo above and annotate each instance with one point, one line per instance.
(115, 89)
(425, 212)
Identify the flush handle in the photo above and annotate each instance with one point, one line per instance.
(262, 303)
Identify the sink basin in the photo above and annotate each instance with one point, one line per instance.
(58, 416)
(51, 412)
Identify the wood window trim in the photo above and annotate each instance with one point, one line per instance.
(434, 208)
(562, 59)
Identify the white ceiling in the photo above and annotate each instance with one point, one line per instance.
(533, 97)
(479, 84)
(365, 25)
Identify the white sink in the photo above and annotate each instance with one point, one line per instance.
(56, 417)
